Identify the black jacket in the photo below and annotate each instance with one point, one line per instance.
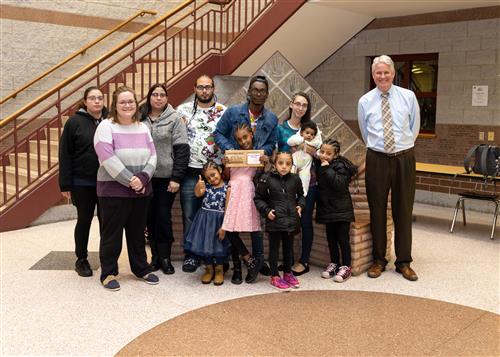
(334, 203)
(77, 157)
(281, 194)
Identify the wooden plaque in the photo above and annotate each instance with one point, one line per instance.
(244, 158)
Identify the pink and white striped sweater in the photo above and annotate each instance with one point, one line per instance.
(123, 151)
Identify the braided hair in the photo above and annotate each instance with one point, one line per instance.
(334, 144)
(195, 102)
(210, 164)
(350, 167)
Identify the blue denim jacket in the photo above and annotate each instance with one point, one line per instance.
(266, 134)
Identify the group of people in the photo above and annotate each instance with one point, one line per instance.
(132, 160)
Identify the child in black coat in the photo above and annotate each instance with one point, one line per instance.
(279, 198)
(334, 207)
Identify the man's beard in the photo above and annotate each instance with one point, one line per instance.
(205, 101)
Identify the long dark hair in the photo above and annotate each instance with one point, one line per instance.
(307, 114)
(145, 108)
(82, 104)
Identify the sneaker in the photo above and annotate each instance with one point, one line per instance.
(111, 283)
(343, 274)
(291, 280)
(82, 267)
(279, 283)
(151, 279)
(189, 265)
(330, 271)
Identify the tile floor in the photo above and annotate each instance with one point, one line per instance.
(55, 312)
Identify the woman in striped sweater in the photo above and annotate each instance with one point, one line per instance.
(127, 158)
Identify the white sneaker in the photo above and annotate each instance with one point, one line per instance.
(343, 274)
(330, 271)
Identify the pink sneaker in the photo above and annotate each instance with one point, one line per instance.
(291, 280)
(343, 274)
(279, 283)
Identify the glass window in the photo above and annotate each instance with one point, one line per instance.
(419, 73)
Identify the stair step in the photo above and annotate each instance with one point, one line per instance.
(54, 133)
(22, 160)
(22, 174)
(23, 183)
(54, 147)
(11, 190)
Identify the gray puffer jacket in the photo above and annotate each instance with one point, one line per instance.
(171, 143)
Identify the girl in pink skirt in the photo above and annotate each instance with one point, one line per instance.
(241, 214)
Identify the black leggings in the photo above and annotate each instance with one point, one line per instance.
(237, 244)
(85, 200)
(275, 238)
(337, 234)
(159, 220)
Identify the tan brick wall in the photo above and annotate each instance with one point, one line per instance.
(451, 144)
(454, 185)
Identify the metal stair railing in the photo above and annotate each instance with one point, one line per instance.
(81, 51)
(163, 51)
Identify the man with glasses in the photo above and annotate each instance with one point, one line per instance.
(264, 124)
(201, 117)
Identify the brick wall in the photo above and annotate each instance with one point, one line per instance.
(451, 144)
(454, 185)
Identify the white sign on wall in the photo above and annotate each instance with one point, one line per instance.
(479, 96)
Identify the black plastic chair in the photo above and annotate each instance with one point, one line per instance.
(471, 195)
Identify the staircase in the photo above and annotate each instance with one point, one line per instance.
(190, 40)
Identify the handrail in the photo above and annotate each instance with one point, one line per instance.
(77, 53)
(160, 52)
(96, 62)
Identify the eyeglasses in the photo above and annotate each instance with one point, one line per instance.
(130, 103)
(300, 105)
(258, 91)
(201, 88)
(93, 98)
(161, 95)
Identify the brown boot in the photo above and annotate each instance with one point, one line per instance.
(219, 275)
(209, 274)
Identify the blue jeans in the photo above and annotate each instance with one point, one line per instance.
(306, 223)
(190, 204)
(257, 244)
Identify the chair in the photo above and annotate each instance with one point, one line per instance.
(471, 195)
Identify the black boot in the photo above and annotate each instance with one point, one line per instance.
(82, 267)
(265, 270)
(166, 266)
(237, 277)
(253, 267)
(155, 263)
